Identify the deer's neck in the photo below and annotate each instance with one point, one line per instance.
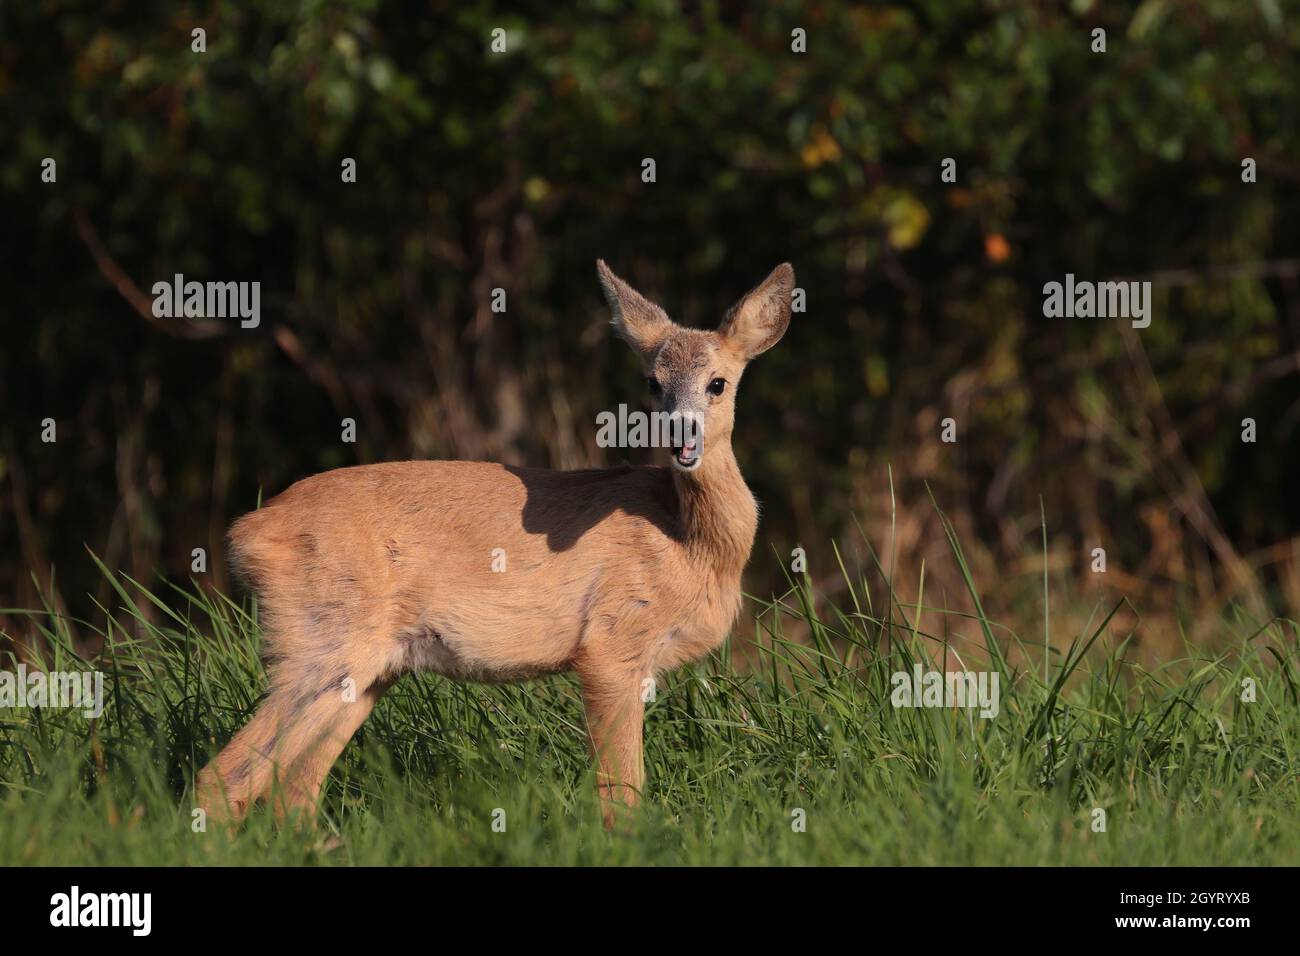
(719, 515)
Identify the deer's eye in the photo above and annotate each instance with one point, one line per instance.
(717, 386)
(653, 384)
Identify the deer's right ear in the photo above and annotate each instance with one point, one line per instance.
(639, 322)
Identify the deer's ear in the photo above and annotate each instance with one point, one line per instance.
(639, 322)
(758, 321)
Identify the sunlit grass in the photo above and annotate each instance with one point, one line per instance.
(1184, 770)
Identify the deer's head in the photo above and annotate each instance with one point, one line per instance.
(693, 373)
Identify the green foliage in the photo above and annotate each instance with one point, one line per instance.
(517, 170)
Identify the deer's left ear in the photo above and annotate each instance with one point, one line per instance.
(758, 321)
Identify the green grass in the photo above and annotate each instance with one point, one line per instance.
(1185, 771)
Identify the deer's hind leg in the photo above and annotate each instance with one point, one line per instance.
(320, 692)
(302, 782)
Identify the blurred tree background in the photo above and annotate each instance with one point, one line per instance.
(478, 170)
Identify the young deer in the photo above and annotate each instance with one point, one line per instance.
(617, 574)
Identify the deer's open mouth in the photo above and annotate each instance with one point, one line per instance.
(687, 456)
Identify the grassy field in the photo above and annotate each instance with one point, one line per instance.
(797, 757)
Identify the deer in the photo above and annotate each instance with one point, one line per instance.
(485, 572)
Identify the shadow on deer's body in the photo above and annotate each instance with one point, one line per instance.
(488, 573)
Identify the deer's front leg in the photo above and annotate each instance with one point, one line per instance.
(615, 713)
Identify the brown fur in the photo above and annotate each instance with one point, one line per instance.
(617, 574)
